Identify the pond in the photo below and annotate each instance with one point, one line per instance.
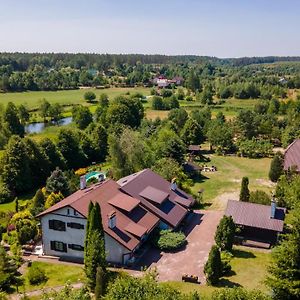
(40, 126)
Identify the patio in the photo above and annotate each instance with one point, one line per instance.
(200, 232)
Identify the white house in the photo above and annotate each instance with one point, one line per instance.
(126, 223)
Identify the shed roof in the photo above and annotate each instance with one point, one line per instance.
(194, 148)
(255, 215)
(126, 215)
(292, 155)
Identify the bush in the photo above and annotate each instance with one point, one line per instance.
(5, 194)
(89, 96)
(36, 275)
(260, 197)
(225, 259)
(168, 240)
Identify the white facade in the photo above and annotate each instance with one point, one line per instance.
(66, 239)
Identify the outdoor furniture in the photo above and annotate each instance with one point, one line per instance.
(190, 278)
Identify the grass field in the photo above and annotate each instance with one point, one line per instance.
(55, 275)
(249, 269)
(32, 99)
(227, 178)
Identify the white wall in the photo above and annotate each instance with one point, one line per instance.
(70, 236)
(114, 250)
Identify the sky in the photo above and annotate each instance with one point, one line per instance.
(222, 28)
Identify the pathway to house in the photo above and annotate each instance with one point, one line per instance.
(190, 260)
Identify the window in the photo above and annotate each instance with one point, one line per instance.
(75, 225)
(76, 247)
(57, 225)
(58, 246)
(75, 212)
(68, 211)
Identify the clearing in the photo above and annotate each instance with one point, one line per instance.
(225, 183)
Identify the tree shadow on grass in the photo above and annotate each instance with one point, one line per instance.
(242, 254)
(227, 283)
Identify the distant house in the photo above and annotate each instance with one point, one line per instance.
(257, 222)
(161, 81)
(130, 211)
(292, 156)
(159, 196)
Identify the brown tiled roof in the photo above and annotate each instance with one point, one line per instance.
(169, 210)
(136, 229)
(292, 155)
(154, 194)
(255, 215)
(138, 217)
(124, 202)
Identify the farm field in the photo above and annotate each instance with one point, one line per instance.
(245, 263)
(32, 99)
(225, 183)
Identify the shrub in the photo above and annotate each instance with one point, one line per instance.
(36, 275)
(81, 171)
(260, 197)
(225, 259)
(238, 293)
(5, 194)
(168, 240)
(89, 96)
(276, 168)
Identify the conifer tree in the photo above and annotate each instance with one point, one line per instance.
(94, 252)
(276, 168)
(213, 266)
(100, 282)
(245, 193)
(224, 236)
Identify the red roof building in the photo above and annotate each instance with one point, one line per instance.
(130, 208)
(125, 221)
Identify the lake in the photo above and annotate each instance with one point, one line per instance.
(40, 126)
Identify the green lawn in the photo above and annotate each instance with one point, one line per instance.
(58, 275)
(32, 99)
(227, 178)
(249, 269)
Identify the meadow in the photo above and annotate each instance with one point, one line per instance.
(217, 187)
(64, 97)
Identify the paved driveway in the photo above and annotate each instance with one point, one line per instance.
(200, 236)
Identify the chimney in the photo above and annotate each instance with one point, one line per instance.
(112, 220)
(82, 182)
(273, 208)
(173, 184)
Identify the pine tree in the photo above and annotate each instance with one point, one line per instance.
(213, 266)
(94, 252)
(100, 282)
(224, 236)
(57, 182)
(276, 168)
(245, 193)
